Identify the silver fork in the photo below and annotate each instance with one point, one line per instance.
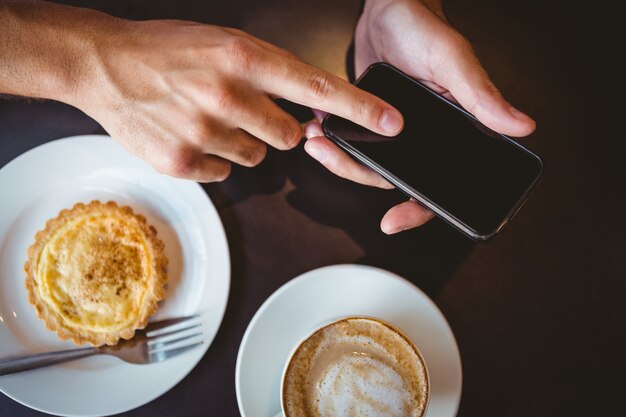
(153, 344)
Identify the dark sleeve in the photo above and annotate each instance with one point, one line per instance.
(350, 62)
(350, 51)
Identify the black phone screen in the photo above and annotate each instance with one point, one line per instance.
(475, 175)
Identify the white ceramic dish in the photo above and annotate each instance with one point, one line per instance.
(321, 295)
(35, 187)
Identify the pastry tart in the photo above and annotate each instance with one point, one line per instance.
(96, 273)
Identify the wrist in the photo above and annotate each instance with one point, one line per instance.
(77, 79)
(48, 51)
(370, 28)
(383, 17)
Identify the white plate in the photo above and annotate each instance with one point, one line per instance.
(35, 187)
(318, 296)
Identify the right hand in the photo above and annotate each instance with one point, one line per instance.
(416, 37)
(192, 98)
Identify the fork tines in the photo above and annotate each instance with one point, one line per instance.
(165, 338)
(157, 325)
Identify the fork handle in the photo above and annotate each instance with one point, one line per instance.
(17, 364)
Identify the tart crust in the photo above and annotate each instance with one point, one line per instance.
(96, 273)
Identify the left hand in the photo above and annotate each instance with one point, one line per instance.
(416, 37)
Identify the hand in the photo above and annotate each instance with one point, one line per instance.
(415, 37)
(192, 98)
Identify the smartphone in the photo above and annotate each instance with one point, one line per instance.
(470, 176)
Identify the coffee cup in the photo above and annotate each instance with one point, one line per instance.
(355, 365)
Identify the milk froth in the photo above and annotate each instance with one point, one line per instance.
(355, 367)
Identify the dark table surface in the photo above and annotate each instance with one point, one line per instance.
(538, 313)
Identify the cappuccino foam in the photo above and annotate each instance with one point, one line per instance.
(355, 367)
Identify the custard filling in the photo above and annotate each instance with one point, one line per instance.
(94, 272)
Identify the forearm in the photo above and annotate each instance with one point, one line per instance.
(48, 50)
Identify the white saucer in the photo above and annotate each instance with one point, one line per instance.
(35, 187)
(318, 296)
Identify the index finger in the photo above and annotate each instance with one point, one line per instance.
(304, 84)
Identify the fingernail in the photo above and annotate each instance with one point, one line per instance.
(316, 152)
(392, 230)
(391, 121)
(519, 115)
(311, 131)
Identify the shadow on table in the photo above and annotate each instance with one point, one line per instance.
(427, 256)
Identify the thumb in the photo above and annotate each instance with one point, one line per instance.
(463, 76)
